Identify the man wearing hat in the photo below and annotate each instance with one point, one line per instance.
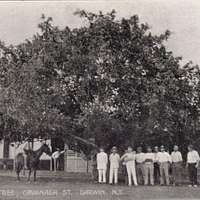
(102, 162)
(129, 160)
(149, 167)
(140, 158)
(164, 160)
(192, 164)
(114, 166)
(156, 166)
(176, 165)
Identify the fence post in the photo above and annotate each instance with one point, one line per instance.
(14, 157)
(66, 157)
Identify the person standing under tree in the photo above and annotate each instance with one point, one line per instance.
(192, 165)
(114, 166)
(93, 157)
(27, 150)
(129, 159)
(164, 160)
(177, 160)
(56, 155)
(102, 162)
(156, 166)
(124, 170)
(148, 167)
(140, 156)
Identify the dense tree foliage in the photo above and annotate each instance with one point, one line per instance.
(110, 80)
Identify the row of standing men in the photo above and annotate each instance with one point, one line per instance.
(148, 168)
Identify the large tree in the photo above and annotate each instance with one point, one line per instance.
(111, 80)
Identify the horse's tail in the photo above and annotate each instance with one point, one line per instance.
(19, 162)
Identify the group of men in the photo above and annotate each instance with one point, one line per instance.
(148, 168)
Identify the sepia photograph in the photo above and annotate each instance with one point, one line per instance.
(100, 100)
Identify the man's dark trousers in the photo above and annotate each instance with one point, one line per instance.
(192, 173)
(156, 173)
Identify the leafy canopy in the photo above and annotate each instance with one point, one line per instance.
(111, 80)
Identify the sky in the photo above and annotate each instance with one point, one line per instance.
(19, 19)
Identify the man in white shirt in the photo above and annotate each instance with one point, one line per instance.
(56, 155)
(114, 159)
(102, 162)
(192, 164)
(164, 160)
(129, 159)
(140, 157)
(148, 167)
(177, 160)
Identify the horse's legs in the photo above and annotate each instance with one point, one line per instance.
(18, 178)
(23, 171)
(29, 175)
(34, 173)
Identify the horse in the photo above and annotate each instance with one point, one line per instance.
(33, 160)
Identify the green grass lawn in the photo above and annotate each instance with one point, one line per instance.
(78, 189)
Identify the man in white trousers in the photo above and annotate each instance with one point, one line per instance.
(102, 162)
(56, 155)
(164, 160)
(129, 159)
(149, 167)
(114, 166)
(139, 158)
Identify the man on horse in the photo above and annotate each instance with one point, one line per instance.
(33, 159)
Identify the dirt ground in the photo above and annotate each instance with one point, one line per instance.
(81, 189)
